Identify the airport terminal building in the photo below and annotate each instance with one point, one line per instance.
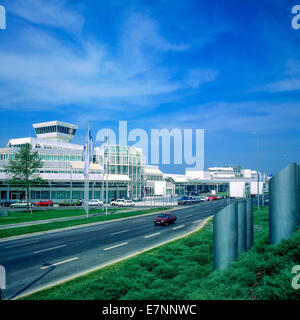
(128, 174)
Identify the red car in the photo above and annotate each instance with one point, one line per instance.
(43, 203)
(164, 219)
(211, 198)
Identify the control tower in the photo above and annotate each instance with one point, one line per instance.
(55, 130)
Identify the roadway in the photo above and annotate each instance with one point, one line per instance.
(36, 261)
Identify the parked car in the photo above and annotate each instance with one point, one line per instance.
(211, 198)
(164, 219)
(130, 203)
(196, 199)
(185, 200)
(95, 202)
(76, 203)
(43, 203)
(8, 203)
(21, 204)
(123, 203)
(115, 202)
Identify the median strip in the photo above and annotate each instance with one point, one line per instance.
(116, 246)
(58, 263)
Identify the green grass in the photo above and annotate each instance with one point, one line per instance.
(23, 216)
(182, 269)
(64, 224)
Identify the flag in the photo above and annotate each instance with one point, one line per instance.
(88, 150)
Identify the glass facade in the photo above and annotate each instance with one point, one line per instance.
(55, 128)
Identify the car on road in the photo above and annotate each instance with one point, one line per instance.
(185, 200)
(95, 202)
(43, 203)
(165, 219)
(21, 204)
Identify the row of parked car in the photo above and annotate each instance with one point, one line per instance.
(191, 200)
(49, 203)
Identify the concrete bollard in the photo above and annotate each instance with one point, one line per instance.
(242, 226)
(284, 204)
(249, 218)
(225, 236)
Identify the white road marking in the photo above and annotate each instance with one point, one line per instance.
(58, 263)
(178, 227)
(50, 249)
(152, 235)
(112, 234)
(21, 244)
(138, 220)
(94, 229)
(198, 221)
(118, 245)
(187, 216)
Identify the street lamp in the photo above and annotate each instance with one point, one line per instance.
(255, 133)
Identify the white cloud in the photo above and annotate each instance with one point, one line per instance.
(54, 13)
(233, 117)
(39, 70)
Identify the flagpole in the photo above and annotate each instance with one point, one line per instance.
(103, 167)
(107, 143)
(87, 158)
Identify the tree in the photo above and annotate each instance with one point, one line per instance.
(22, 171)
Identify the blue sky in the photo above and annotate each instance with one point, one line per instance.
(229, 67)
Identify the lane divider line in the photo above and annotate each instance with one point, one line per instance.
(112, 234)
(49, 249)
(118, 245)
(198, 221)
(20, 244)
(138, 220)
(94, 229)
(178, 227)
(152, 235)
(58, 263)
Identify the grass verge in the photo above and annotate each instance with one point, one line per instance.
(183, 270)
(64, 224)
(40, 215)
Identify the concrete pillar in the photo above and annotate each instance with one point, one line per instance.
(283, 203)
(225, 236)
(242, 226)
(249, 218)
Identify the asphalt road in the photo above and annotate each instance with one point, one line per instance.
(40, 260)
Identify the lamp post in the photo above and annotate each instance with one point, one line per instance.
(255, 133)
